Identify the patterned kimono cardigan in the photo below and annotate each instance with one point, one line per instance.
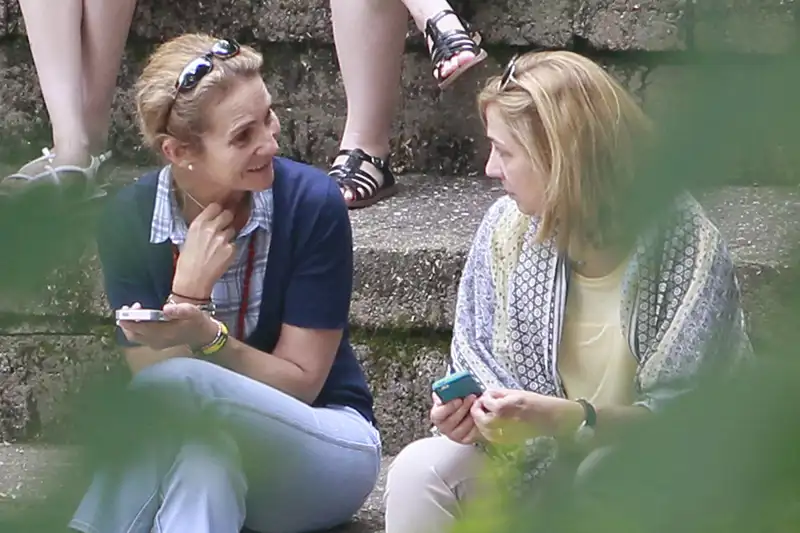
(680, 305)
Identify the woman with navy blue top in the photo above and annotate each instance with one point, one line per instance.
(250, 257)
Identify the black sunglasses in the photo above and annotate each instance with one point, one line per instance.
(199, 68)
(195, 71)
(508, 73)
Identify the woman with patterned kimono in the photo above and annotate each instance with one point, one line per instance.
(572, 324)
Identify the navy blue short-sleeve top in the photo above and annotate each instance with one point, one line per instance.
(308, 279)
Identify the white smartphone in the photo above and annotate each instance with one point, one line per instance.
(142, 315)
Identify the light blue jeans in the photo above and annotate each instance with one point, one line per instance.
(276, 465)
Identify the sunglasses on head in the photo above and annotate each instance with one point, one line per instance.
(199, 68)
(508, 73)
(196, 70)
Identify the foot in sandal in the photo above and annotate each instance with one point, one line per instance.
(363, 179)
(81, 180)
(453, 47)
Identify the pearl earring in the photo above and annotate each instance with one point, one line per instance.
(190, 167)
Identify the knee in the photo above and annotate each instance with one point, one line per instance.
(412, 466)
(174, 373)
(428, 463)
(590, 464)
(176, 388)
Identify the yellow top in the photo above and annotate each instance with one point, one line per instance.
(594, 360)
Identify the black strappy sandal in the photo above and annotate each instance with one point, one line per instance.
(365, 188)
(446, 45)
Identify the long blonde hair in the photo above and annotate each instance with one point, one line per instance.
(581, 129)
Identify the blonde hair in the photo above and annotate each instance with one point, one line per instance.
(162, 111)
(581, 130)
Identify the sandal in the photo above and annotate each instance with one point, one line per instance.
(38, 165)
(41, 171)
(365, 188)
(445, 45)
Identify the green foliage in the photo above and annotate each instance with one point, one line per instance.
(43, 228)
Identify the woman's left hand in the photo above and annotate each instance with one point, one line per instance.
(505, 415)
(187, 326)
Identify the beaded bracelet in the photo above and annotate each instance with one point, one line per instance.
(215, 345)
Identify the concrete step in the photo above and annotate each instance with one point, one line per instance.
(35, 474)
(730, 25)
(440, 132)
(409, 252)
(410, 249)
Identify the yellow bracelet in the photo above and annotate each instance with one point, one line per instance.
(218, 343)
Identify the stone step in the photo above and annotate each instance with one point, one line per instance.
(438, 132)
(766, 26)
(32, 473)
(409, 252)
(410, 249)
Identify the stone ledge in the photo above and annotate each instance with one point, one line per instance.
(309, 99)
(619, 25)
(38, 373)
(648, 25)
(409, 251)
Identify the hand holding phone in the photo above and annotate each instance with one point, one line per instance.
(141, 315)
(457, 385)
(454, 421)
(453, 397)
(175, 325)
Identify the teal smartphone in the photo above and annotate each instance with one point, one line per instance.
(457, 385)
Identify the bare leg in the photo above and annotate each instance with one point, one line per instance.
(370, 38)
(422, 10)
(105, 30)
(54, 34)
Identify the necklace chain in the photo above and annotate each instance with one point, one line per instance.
(192, 198)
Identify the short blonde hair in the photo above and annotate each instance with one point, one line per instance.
(581, 129)
(162, 111)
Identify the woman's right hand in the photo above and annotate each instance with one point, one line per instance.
(207, 253)
(453, 419)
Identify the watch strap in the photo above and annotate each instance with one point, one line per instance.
(589, 413)
(205, 306)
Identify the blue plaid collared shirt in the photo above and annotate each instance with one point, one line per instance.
(168, 224)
